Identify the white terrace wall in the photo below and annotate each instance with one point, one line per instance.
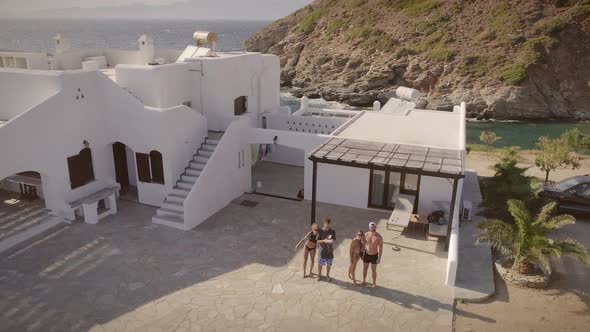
(161, 86)
(23, 89)
(304, 124)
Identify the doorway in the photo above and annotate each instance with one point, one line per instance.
(125, 174)
(385, 187)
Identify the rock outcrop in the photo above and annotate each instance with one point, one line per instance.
(526, 59)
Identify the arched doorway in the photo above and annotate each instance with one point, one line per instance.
(22, 203)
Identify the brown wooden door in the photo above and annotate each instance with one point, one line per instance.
(121, 170)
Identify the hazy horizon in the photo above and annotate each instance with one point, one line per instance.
(255, 10)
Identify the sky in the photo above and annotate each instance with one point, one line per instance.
(198, 9)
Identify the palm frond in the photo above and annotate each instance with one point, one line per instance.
(497, 234)
(559, 221)
(546, 212)
(538, 256)
(575, 249)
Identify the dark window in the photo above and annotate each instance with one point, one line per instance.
(80, 168)
(157, 167)
(143, 167)
(240, 105)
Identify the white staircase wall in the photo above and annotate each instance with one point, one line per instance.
(176, 132)
(224, 178)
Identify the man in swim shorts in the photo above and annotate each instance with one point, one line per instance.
(372, 253)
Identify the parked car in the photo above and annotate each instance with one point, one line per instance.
(571, 194)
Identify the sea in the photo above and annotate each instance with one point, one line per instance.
(35, 35)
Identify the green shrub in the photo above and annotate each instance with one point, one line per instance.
(335, 26)
(372, 38)
(530, 54)
(549, 26)
(418, 7)
(380, 41)
(478, 65)
(308, 22)
(435, 46)
(514, 74)
(432, 24)
(504, 22)
(358, 32)
(355, 3)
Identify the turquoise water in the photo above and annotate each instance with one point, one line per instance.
(523, 134)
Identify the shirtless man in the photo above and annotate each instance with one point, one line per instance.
(373, 252)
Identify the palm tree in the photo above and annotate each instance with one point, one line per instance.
(526, 239)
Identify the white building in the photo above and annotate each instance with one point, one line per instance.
(177, 129)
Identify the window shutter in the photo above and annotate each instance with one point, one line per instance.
(74, 170)
(157, 167)
(143, 167)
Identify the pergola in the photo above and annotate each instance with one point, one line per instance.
(403, 158)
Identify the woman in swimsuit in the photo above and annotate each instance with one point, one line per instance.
(356, 247)
(310, 246)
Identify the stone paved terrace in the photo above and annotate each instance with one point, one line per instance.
(238, 271)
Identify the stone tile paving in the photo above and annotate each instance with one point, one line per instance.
(238, 271)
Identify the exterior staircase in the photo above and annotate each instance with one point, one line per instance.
(171, 212)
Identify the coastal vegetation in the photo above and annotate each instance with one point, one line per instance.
(526, 238)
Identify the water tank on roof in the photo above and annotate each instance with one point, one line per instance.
(405, 93)
(203, 38)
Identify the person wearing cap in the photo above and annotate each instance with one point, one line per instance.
(372, 253)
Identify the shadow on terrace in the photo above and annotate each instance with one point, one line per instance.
(239, 268)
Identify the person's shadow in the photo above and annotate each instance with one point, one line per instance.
(407, 300)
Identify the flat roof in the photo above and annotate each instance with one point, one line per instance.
(414, 127)
(430, 161)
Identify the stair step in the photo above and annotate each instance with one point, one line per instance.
(169, 202)
(189, 177)
(208, 147)
(201, 159)
(176, 197)
(180, 190)
(165, 211)
(212, 141)
(173, 206)
(207, 153)
(185, 184)
(194, 171)
(169, 220)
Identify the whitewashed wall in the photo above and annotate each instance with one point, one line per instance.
(23, 89)
(161, 86)
(224, 178)
(105, 115)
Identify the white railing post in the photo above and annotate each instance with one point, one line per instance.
(304, 104)
(376, 106)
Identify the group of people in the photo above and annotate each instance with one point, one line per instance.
(367, 246)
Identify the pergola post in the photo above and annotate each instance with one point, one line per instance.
(314, 185)
(452, 213)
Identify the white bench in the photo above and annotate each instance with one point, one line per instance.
(89, 205)
(402, 211)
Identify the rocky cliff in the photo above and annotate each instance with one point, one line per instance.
(526, 59)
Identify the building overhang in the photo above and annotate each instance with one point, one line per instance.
(412, 159)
